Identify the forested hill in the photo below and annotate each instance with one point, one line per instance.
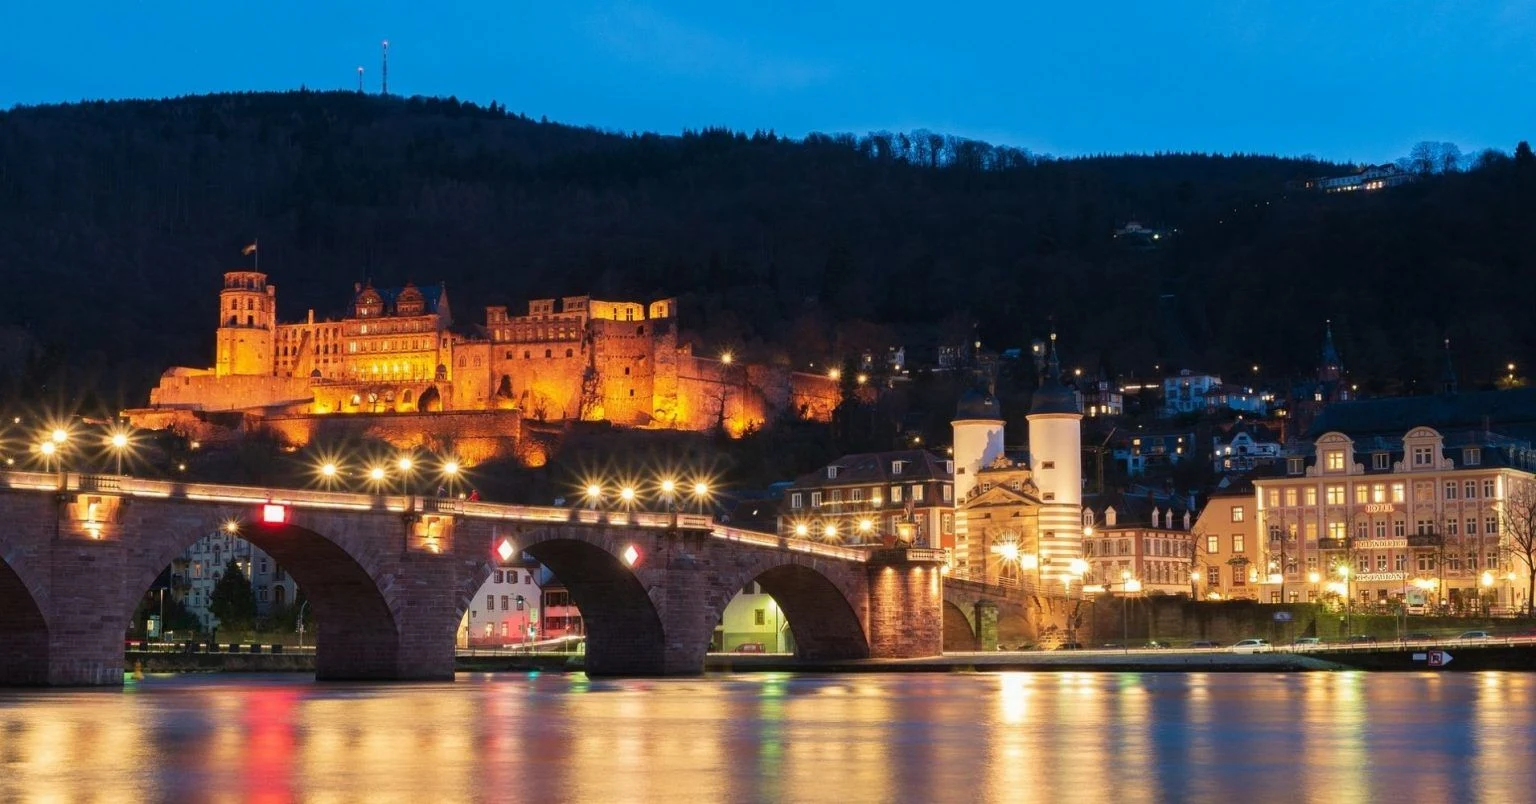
(116, 220)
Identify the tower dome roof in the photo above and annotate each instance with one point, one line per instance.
(1052, 396)
(977, 403)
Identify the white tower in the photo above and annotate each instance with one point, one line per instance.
(978, 441)
(1056, 464)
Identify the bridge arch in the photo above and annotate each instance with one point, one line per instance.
(24, 631)
(959, 628)
(824, 605)
(356, 631)
(624, 632)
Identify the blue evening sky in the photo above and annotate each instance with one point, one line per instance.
(1343, 79)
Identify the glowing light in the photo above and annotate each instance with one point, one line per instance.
(726, 358)
(836, 374)
(1078, 567)
(862, 378)
(119, 440)
(865, 525)
(829, 531)
(59, 435)
(1487, 579)
(231, 526)
(1313, 577)
(376, 473)
(1009, 552)
(1133, 585)
(668, 486)
(1194, 575)
(1088, 531)
(594, 491)
(328, 469)
(451, 468)
(274, 514)
(1029, 561)
(47, 448)
(405, 463)
(505, 550)
(627, 494)
(700, 489)
(801, 529)
(1344, 571)
(631, 555)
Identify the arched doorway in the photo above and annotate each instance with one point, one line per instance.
(23, 633)
(430, 400)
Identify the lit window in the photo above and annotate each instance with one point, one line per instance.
(1237, 513)
(1334, 460)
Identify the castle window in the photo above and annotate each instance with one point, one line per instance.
(526, 354)
(631, 392)
(640, 330)
(250, 304)
(250, 321)
(509, 354)
(626, 371)
(568, 353)
(549, 353)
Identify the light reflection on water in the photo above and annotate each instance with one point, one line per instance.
(1044, 737)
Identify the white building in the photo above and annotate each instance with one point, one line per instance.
(753, 622)
(1056, 467)
(1244, 449)
(1186, 392)
(202, 565)
(506, 610)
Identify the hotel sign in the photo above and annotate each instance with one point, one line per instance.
(1367, 577)
(1380, 508)
(1380, 544)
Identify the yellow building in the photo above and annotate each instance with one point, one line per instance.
(1226, 546)
(1415, 518)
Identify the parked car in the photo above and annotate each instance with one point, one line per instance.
(1252, 646)
(1466, 635)
(1361, 639)
(1307, 642)
(1070, 646)
(750, 647)
(1155, 645)
(1204, 643)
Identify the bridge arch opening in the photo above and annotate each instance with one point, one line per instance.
(959, 633)
(823, 625)
(623, 630)
(348, 620)
(23, 632)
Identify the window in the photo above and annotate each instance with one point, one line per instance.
(1426, 562)
(1469, 489)
(1400, 528)
(506, 603)
(895, 494)
(856, 495)
(1399, 492)
(490, 602)
(1471, 456)
(1309, 495)
(1274, 498)
(500, 576)
(1212, 545)
(1290, 498)
(1381, 562)
(896, 467)
(1294, 465)
(837, 496)
(917, 493)
(947, 523)
(1237, 513)
(1362, 529)
(831, 472)
(1381, 529)
(1424, 527)
(1488, 488)
(815, 499)
(1335, 495)
(1423, 456)
(1471, 562)
(795, 500)
(1336, 530)
(1471, 526)
(947, 492)
(1047, 464)
(1450, 490)
(759, 617)
(1333, 459)
(1378, 492)
(1237, 543)
(1399, 562)
(1379, 460)
(1362, 494)
(1452, 527)
(1491, 525)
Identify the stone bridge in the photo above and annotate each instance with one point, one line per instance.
(390, 577)
(981, 616)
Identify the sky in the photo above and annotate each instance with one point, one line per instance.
(1358, 80)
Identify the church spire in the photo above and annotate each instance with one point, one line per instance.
(1448, 384)
(1332, 367)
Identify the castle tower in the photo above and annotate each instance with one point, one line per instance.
(247, 317)
(978, 438)
(1056, 464)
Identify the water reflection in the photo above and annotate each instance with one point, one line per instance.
(920, 737)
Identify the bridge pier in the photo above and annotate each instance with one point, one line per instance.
(906, 603)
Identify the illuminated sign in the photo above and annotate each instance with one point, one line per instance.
(1379, 576)
(1380, 508)
(1380, 544)
(274, 514)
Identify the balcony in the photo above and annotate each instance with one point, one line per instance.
(1333, 544)
(1425, 540)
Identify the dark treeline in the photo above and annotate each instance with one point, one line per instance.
(117, 218)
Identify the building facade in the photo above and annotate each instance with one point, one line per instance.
(999, 533)
(863, 498)
(196, 572)
(1394, 519)
(507, 609)
(1226, 546)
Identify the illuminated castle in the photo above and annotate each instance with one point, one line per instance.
(396, 352)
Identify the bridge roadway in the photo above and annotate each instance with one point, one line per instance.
(389, 576)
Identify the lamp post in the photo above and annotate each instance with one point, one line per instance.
(1127, 586)
(451, 474)
(376, 478)
(118, 442)
(405, 465)
(594, 495)
(1487, 581)
(701, 494)
(1348, 600)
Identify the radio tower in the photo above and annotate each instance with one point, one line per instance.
(359, 79)
(384, 85)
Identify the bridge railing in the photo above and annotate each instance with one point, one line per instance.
(837, 551)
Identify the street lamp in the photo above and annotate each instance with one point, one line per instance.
(1343, 571)
(451, 474)
(118, 442)
(594, 495)
(405, 465)
(701, 494)
(830, 531)
(627, 494)
(1487, 581)
(376, 477)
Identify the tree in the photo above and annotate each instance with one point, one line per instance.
(1424, 157)
(232, 602)
(1523, 156)
(1517, 521)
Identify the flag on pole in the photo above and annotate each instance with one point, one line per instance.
(249, 250)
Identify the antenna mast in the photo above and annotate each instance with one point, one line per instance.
(359, 79)
(384, 85)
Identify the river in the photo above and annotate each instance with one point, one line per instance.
(1049, 737)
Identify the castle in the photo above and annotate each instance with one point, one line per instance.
(396, 352)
